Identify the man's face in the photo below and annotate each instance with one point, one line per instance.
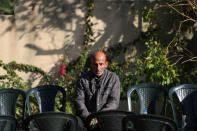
(98, 64)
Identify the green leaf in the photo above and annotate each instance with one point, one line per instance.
(150, 66)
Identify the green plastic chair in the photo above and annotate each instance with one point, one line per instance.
(147, 93)
(8, 123)
(8, 100)
(148, 122)
(187, 94)
(45, 96)
(52, 121)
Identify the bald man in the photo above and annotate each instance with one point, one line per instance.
(97, 90)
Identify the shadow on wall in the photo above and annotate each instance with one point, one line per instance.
(52, 14)
(114, 22)
(121, 20)
(60, 20)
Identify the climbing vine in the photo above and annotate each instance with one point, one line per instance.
(11, 79)
(88, 33)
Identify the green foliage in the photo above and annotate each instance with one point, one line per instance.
(154, 65)
(6, 7)
(148, 15)
(127, 78)
(88, 34)
(183, 17)
(30, 68)
(11, 79)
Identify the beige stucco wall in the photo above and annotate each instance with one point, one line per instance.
(42, 30)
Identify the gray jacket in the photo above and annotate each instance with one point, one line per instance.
(97, 94)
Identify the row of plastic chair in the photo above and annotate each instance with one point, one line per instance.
(147, 92)
(45, 97)
(185, 94)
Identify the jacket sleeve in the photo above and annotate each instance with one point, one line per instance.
(114, 96)
(81, 109)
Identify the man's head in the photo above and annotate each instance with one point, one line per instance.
(98, 63)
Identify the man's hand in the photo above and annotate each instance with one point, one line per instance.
(93, 123)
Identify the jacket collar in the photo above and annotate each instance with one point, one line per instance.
(96, 80)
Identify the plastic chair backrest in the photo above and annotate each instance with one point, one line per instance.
(148, 122)
(147, 93)
(53, 121)
(8, 100)
(186, 94)
(108, 120)
(45, 96)
(8, 123)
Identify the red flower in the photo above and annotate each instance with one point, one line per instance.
(62, 69)
(125, 67)
(108, 56)
(129, 61)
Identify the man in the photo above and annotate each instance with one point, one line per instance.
(97, 90)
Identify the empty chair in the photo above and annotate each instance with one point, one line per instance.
(8, 123)
(108, 120)
(45, 96)
(148, 122)
(52, 121)
(8, 100)
(147, 93)
(187, 98)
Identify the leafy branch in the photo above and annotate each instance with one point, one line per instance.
(88, 33)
